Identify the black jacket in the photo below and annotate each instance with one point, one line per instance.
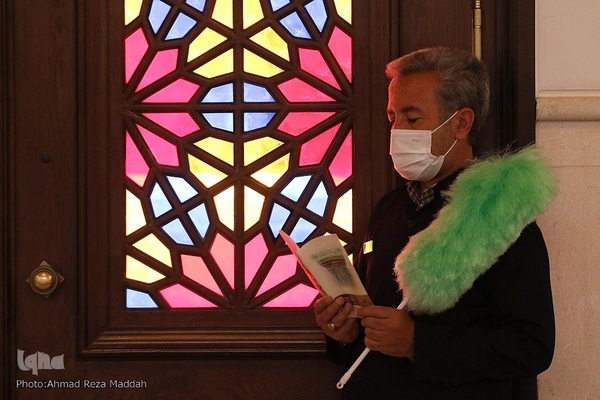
(502, 328)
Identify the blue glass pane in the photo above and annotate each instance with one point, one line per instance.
(200, 219)
(177, 232)
(256, 94)
(197, 4)
(158, 13)
(278, 217)
(220, 94)
(277, 4)
(316, 10)
(257, 120)
(160, 203)
(296, 187)
(302, 230)
(222, 121)
(318, 202)
(294, 25)
(182, 189)
(136, 299)
(182, 25)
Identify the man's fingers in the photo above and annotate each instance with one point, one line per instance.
(322, 304)
(374, 311)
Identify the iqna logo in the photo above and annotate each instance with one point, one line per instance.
(37, 361)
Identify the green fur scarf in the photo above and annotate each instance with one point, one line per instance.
(489, 204)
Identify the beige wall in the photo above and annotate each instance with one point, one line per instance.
(568, 131)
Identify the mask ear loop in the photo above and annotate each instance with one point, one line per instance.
(344, 379)
(445, 122)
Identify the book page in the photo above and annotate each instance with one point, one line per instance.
(327, 265)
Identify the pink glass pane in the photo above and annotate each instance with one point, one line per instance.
(340, 45)
(180, 124)
(164, 62)
(180, 297)
(341, 166)
(180, 91)
(135, 48)
(255, 252)
(296, 123)
(298, 296)
(136, 168)
(283, 268)
(195, 269)
(312, 152)
(297, 91)
(222, 251)
(313, 62)
(164, 152)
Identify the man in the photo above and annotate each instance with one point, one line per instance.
(480, 308)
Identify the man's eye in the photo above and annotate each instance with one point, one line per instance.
(412, 120)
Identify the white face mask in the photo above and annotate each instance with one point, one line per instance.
(411, 153)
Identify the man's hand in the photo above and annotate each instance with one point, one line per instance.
(332, 316)
(388, 330)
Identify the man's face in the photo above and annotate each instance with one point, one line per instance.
(413, 104)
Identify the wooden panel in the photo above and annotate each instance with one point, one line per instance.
(428, 23)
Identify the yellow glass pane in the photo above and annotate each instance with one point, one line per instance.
(342, 216)
(252, 12)
(253, 205)
(344, 9)
(132, 10)
(270, 40)
(223, 12)
(218, 148)
(134, 213)
(138, 271)
(154, 248)
(256, 65)
(255, 149)
(224, 204)
(205, 41)
(206, 174)
(218, 66)
(270, 174)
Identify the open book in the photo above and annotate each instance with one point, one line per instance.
(328, 267)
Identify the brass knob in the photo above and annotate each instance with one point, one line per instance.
(44, 280)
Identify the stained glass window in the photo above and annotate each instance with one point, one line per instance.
(237, 123)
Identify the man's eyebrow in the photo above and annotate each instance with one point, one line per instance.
(410, 108)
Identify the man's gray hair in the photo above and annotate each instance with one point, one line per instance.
(464, 80)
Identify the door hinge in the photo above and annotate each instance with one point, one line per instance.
(477, 29)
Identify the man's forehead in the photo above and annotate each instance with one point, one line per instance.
(413, 92)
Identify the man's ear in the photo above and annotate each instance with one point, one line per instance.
(464, 123)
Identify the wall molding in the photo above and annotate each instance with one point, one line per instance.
(570, 106)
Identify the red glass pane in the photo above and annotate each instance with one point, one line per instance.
(313, 62)
(164, 152)
(180, 124)
(136, 168)
(194, 268)
(297, 91)
(296, 123)
(283, 268)
(222, 251)
(255, 252)
(178, 296)
(180, 91)
(164, 62)
(341, 166)
(340, 45)
(298, 296)
(135, 48)
(312, 152)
